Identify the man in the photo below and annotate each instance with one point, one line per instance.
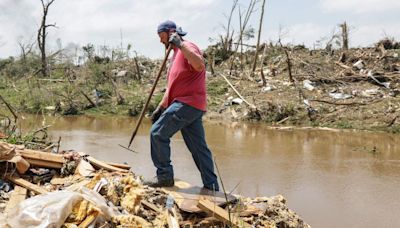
(181, 109)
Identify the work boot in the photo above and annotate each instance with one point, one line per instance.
(158, 183)
(212, 189)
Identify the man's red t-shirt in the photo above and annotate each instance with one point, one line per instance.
(184, 83)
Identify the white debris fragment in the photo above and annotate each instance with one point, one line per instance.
(307, 84)
(370, 92)
(237, 101)
(359, 64)
(266, 89)
(340, 95)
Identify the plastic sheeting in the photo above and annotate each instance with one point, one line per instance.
(51, 210)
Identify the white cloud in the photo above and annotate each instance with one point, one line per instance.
(360, 34)
(307, 33)
(100, 21)
(360, 6)
(366, 35)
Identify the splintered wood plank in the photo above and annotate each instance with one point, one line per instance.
(187, 196)
(89, 219)
(17, 195)
(150, 206)
(39, 155)
(221, 214)
(21, 164)
(69, 180)
(171, 220)
(103, 165)
(44, 164)
(119, 165)
(26, 184)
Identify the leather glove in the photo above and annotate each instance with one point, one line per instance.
(175, 39)
(157, 113)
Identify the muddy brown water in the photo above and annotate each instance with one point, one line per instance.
(331, 179)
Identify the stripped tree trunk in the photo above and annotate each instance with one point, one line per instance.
(41, 37)
(139, 76)
(262, 65)
(249, 11)
(345, 36)
(258, 38)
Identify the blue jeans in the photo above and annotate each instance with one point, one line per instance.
(188, 120)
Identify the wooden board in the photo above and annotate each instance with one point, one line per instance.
(21, 164)
(88, 220)
(17, 195)
(171, 220)
(221, 214)
(26, 184)
(187, 196)
(69, 180)
(103, 165)
(44, 156)
(119, 165)
(44, 164)
(150, 206)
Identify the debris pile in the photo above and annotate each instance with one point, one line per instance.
(74, 189)
(355, 88)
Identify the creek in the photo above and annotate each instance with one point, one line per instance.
(330, 178)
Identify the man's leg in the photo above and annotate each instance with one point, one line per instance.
(194, 137)
(177, 116)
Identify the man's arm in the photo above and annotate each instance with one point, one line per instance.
(194, 58)
(163, 102)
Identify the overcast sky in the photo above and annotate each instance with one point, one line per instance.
(101, 22)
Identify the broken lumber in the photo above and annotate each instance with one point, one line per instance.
(119, 165)
(187, 196)
(17, 195)
(7, 151)
(103, 165)
(89, 219)
(171, 220)
(21, 164)
(44, 164)
(66, 180)
(221, 214)
(26, 184)
(44, 156)
(150, 206)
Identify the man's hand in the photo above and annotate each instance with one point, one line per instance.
(157, 113)
(175, 39)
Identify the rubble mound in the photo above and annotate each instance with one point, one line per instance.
(74, 189)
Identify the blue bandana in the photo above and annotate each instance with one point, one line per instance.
(168, 25)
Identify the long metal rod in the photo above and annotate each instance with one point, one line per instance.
(149, 98)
